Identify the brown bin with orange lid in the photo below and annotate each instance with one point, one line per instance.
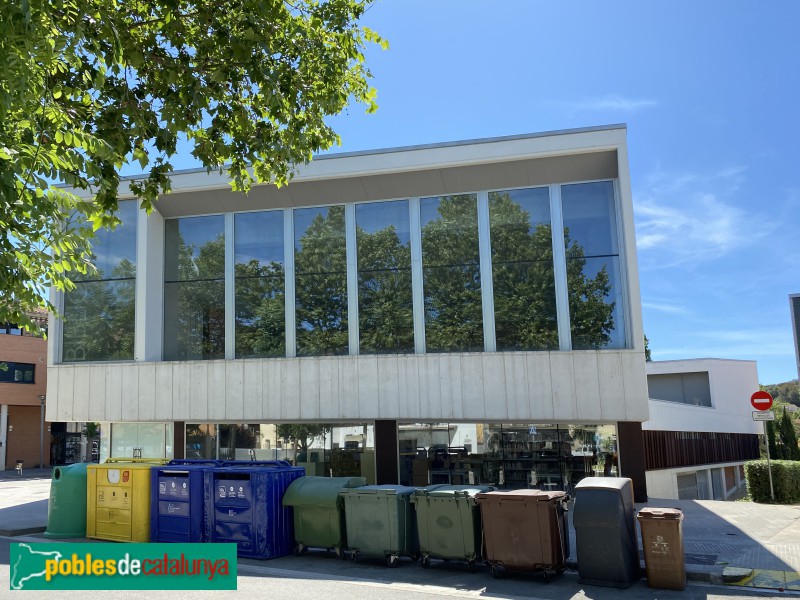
(662, 540)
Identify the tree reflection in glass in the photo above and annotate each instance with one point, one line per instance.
(522, 268)
(99, 314)
(593, 280)
(194, 288)
(385, 306)
(320, 281)
(451, 274)
(260, 284)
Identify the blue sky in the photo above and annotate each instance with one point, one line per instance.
(709, 92)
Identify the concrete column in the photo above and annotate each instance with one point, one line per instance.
(387, 457)
(630, 443)
(178, 440)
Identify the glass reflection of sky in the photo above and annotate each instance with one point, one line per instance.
(111, 247)
(375, 216)
(429, 207)
(590, 217)
(304, 217)
(259, 236)
(196, 231)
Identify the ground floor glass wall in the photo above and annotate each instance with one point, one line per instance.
(136, 440)
(324, 449)
(508, 455)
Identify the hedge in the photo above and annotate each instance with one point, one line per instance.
(785, 481)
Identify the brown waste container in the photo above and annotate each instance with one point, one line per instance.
(662, 540)
(524, 530)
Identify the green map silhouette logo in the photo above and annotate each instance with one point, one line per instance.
(27, 564)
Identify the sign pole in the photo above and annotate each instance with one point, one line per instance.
(762, 402)
(769, 465)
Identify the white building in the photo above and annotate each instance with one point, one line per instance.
(701, 429)
(488, 285)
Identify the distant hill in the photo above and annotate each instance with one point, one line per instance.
(788, 391)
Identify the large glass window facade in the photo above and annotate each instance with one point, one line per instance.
(594, 280)
(507, 455)
(260, 284)
(99, 314)
(451, 275)
(194, 288)
(522, 270)
(385, 306)
(320, 281)
(377, 289)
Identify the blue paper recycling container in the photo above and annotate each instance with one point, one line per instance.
(177, 504)
(244, 505)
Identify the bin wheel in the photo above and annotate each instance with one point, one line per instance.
(354, 556)
(391, 560)
(299, 549)
(471, 566)
(496, 571)
(425, 561)
(340, 553)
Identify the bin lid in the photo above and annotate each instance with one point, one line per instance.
(275, 464)
(444, 489)
(384, 490)
(603, 483)
(313, 490)
(130, 463)
(519, 496)
(660, 513)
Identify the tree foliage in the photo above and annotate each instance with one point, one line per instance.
(301, 435)
(90, 86)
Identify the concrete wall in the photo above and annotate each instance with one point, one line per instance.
(732, 382)
(592, 386)
(664, 482)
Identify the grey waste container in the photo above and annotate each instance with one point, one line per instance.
(605, 532)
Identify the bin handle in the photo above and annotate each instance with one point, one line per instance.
(256, 463)
(147, 461)
(194, 461)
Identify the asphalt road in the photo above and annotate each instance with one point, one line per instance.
(321, 578)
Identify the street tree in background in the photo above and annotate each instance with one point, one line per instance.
(90, 86)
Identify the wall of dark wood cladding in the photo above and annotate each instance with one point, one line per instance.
(671, 449)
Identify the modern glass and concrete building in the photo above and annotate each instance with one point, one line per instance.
(701, 429)
(465, 311)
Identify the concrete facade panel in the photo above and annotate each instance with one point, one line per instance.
(587, 386)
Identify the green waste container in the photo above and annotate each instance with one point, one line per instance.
(319, 520)
(449, 523)
(381, 522)
(66, 511)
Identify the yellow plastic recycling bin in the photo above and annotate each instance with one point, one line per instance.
(118, 499)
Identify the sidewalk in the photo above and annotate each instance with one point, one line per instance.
(735, 543)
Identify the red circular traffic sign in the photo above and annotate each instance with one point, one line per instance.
(761, 400)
